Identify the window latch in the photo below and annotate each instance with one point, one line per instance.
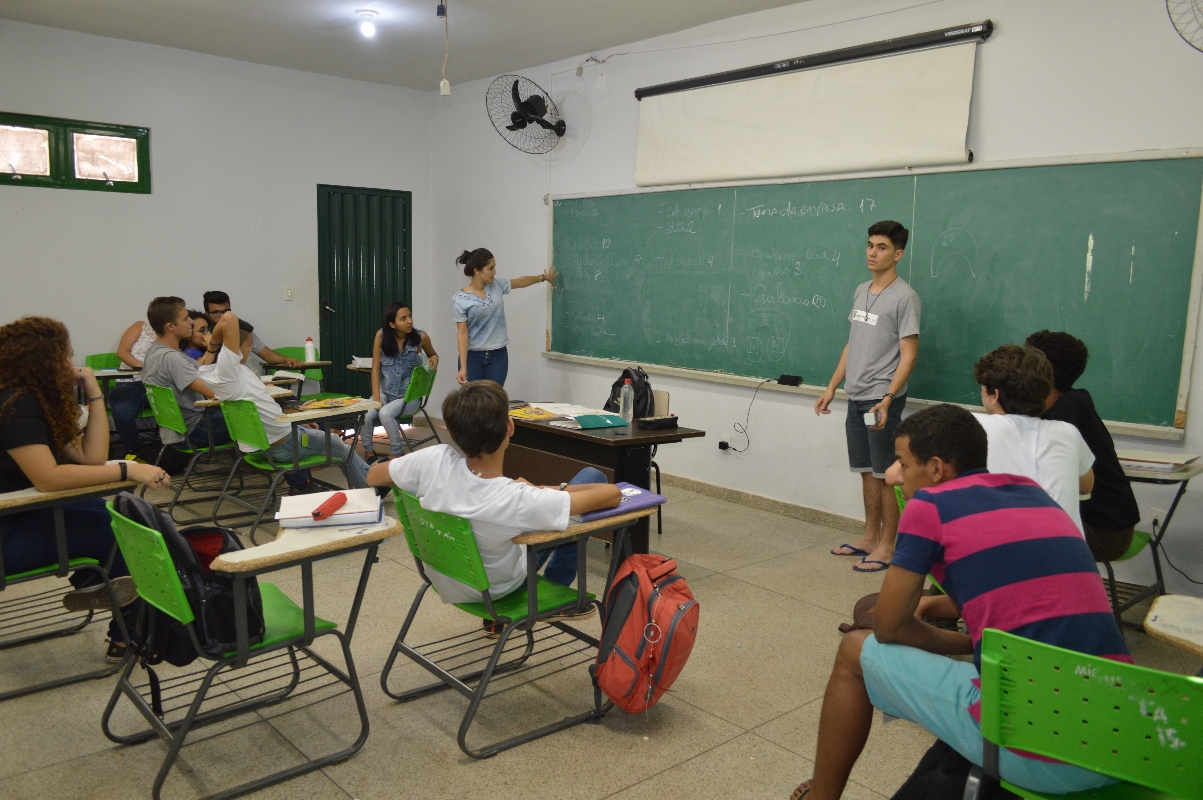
(107, 180)
(16, 177)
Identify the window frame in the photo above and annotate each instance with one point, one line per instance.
(62, 154)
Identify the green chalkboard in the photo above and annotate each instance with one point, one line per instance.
(758, 280)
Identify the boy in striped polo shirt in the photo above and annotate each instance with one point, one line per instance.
(1009, 558)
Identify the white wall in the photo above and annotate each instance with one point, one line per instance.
(1061, 78)
(237, 150)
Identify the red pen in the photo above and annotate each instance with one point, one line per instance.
(327, 509)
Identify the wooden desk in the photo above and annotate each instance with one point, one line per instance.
(296, 418)
(1180, 477)
(32, 500)
(547, 455)
(303, 365)
(1177, 620)
(276, 392)
(364, 370)
(300, 548)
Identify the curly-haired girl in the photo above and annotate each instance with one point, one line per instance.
(41, 446)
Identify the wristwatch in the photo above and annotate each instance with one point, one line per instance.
(124, 470)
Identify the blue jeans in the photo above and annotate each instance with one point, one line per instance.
(388, 415)
(561, 562)
(127, 401)
(200, 434)
(357, 468)
(28, 543)
(488, 365)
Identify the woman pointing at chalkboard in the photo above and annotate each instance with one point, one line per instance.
(479, 314)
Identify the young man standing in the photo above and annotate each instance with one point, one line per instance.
(218, 303)
(1011, 559)
(874, 367)
(165, 364)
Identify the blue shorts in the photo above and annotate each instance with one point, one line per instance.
(936, 692)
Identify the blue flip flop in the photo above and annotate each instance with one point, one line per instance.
(884, 566)
(856, 551)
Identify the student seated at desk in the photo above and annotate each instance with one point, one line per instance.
(166, 365)
(218, 303)
(1109, 517)
(990, 539)
(396, 351)
(230, 379)
(127, 399)
(39, 438)
(197, 346)
(499, 508)
(1015, 383)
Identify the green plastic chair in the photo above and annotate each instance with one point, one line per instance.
(1140, 540)
(154, 572)
(37, 617)
(110, 361)
(421, 381)
(167, 414)
(445, 543)
(245, 427)
(1127, 722)
(314, 374)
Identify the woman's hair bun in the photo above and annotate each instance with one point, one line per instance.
(463, 257)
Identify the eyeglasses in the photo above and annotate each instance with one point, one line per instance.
(217, 312)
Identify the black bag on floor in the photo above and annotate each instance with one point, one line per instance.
(644, 402)
(941, 775)
(210, 594)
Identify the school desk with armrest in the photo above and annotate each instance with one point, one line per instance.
(445, 543)
(36, 617)
(312, 371)
(280, 663)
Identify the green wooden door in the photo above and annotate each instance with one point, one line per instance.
(364, 262)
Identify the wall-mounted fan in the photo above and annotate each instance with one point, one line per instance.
(523, 114)
(1187, 16)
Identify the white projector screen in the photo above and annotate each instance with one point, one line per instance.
(909, 110)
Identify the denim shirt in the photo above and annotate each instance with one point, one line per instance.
(395, 371)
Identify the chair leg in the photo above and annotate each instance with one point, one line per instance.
(268, 499)
(433, 431)
(1119, 617)
(974, 784)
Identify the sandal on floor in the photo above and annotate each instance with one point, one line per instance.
(802, 790)
(884, 565)
(856, 551)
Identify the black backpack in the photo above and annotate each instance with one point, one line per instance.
(644, 403)
(210, 594)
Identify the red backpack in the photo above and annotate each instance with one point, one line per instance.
(651, 620)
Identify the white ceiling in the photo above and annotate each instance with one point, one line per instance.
(488, 37)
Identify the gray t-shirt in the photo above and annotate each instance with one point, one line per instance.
(254, 363)
(878, 322)
(166, 366)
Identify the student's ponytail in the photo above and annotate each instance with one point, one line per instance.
(474, 261)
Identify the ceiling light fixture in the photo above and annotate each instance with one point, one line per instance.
(367, 27)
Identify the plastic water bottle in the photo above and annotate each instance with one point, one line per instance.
(626, 401)
(310, 350)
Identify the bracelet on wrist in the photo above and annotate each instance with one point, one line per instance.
(124, 470)
(94, 399)
(889, 395)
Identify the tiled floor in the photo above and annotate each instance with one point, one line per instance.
(739, 723)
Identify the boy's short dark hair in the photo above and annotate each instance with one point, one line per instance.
(893, 231)
(949, 432)
(245, 330)
(216, 299)
(1022, 376)
(163, 310)
(1066, 353)
(477, 416)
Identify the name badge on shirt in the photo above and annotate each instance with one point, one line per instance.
(864, 316)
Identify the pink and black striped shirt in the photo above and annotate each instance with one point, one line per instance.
(1012, 559)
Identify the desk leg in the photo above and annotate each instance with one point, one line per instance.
(296, 446)
(1165, 523)
(371, 559)
(60, 541)
(635, 467)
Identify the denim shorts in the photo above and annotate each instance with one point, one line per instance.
(868, 450)
(935, 692)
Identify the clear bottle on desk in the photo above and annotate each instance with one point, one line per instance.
(626, 401)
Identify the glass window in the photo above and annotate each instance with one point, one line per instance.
(105, 158)
(24, 151)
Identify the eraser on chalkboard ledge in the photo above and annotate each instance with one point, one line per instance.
(790, 380)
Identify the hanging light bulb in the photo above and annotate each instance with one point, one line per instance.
(367, 27)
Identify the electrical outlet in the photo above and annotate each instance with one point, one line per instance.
(724, 443)
(445, 88)
(1157, 514)
(288, 293)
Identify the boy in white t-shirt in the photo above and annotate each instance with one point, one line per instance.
(1015, 383)
(498, 508)
(231, 379)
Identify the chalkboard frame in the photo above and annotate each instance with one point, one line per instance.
(1118, 427)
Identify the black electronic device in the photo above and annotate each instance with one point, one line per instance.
(657, 423)
(789, 380)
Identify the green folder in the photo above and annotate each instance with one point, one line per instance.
(590, 421)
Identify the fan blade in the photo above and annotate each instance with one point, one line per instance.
(517, 99)
(547, 126)
(517, 122)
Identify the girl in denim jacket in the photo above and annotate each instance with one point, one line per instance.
(396, 352)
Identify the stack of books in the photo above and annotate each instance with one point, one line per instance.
(1152, 461)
